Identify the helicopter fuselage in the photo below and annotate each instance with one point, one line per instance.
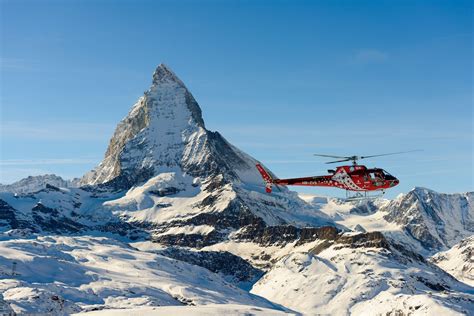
(351, 178)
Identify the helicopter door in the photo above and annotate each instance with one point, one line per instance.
(376, 177)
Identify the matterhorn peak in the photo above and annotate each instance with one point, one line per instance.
(164, 74)
(164, 132)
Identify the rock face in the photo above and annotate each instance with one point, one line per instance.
(438, 221)
(7, 215)
(165, 132)
(233, 268)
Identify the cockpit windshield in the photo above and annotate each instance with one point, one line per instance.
(380, 174)
(388, 176)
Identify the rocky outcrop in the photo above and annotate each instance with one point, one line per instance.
(233, 268)
(437, 221)
(49, 219)
(8, 217)
(281, 235)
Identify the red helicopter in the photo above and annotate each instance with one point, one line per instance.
(355, 178)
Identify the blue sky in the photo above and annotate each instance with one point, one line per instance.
(279, 79)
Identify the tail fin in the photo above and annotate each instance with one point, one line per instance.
(266, 177)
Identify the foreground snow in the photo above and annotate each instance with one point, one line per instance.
(58, 274)
(212, 309)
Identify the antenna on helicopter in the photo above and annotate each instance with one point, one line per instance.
(355, 158)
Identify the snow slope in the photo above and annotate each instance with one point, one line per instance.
(59, 274)
(211, 309)
(458, 261)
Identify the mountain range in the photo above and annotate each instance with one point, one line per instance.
(177, 216)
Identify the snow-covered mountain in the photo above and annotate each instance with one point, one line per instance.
(175, 215)
(188, 183)
(437, 221)
(164, 133)
(36, 183)
(362, 275)
(458, 261)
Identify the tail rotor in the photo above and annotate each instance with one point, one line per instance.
(266, 177)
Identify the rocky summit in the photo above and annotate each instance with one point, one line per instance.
(176, 215)
(164, 132)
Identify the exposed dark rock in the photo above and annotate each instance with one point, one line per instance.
(208, 200)
(363, 240)
(8, 217)
(235, 216)
(49, 219)
(264, 235)
(434, 286)
(162, 205)
(407, 253)
(76, 204)
(165, 191)
(39, 207)
(52, 187)
(365, 208)
(232, 267)
(57, 225)
(189, 240)
(309, 234)
(123, 228)
(367, 240)
(278, 235)
(215, 184)
(322, 246)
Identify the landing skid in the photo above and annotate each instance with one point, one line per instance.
(361, 196)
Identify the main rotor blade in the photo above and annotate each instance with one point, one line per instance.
(330, 156)
(400, 152)
(338, 161)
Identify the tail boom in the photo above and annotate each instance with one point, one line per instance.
(320, 181)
